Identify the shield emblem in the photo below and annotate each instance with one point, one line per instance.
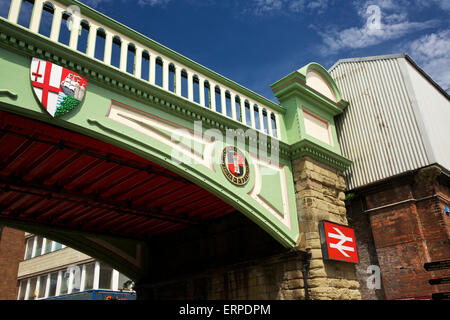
(59, 90)
(235, 163)
(235, 166)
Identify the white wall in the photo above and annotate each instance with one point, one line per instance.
(433, 116)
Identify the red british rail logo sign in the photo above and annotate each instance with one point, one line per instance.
(58, 89)
(338, 242)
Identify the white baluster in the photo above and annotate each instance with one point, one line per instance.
(223, 100)
(233, 106)
(75, 32)
(269, 123)
(261, 119)
(123, 55)
(56, 25)
(36, 15)
(190, 86)
(243, 111)
(108, 47)
(212, 95)
(152, 68)
(165, 67)
(201, 86)
(178, 80)
(14, 10)
(252, 115)
(277, 122)
(92, 38)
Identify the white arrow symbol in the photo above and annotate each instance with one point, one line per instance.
(343, 239)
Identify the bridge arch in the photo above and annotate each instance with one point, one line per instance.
(134, 160)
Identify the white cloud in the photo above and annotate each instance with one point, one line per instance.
(442, 4)
(153, 2)
(96, 3)
(378, 27)
(262, 7)
(432, 53)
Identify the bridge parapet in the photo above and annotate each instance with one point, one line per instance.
(151, 62)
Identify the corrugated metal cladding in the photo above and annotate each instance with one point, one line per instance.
(378, 130)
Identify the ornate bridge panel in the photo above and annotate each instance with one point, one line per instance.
(208, 143)
(184, 131)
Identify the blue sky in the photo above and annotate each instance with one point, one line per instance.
(257, 42)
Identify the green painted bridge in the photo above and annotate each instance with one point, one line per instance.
(110, 139)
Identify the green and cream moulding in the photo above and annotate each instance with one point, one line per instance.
(312, 100)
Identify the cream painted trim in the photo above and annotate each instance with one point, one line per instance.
(283, 217)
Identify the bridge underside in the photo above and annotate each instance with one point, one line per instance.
(56, 177)
(94, 196)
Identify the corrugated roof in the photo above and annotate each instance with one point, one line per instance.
(378, 131)
(392, 56)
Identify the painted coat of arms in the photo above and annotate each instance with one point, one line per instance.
(58, 89)
(235, 166)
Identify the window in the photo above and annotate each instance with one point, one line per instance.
(274, 124)
(4, 8)
(29, 248)
(32, 289)
(207, 95)
(172, 78)
(131, 58)
(196, 88)
(218, 99)
(83, 36)
(46, 19)
(228, 107)
(64, 32)
(238, 108)
(38, 249)
(256, 114)
(158, 72)
(48, 246)
(42, 286)
(89, 276)
(22, 289)
(124, 282)
(265, 121)
(57, 246)
(115, 53)
(105, 280)
(247, 113)
(53, 282)
(184, 84)
(100, 41)
(64, 281)
(26, 9)
(145, 67)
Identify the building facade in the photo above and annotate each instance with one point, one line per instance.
(395, 130)
(50, 270)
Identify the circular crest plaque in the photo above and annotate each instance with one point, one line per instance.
(234, 165)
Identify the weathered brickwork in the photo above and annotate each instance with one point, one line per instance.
(264, 279)
(320, 196)
(231, 258)
(368, 260)
(12, 250)
(409, 228)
